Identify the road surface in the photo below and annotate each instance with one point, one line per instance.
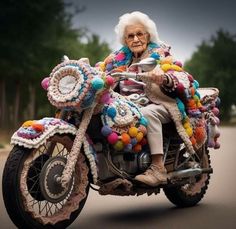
(216, 210)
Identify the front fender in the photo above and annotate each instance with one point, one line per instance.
(33, 134)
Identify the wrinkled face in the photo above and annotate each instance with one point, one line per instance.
(136, 38)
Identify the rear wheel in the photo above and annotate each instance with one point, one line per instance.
(190, 194)
(32, 194)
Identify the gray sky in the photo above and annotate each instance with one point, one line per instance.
(182, 24)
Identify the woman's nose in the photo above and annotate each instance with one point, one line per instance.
(136, 38)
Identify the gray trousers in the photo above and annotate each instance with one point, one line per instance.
(156, 115)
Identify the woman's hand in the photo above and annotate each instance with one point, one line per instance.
(157, 76)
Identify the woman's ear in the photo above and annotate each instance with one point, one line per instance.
(148, 38)
(125, 42)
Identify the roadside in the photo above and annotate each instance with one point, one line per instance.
(7, 148)
(5, 137)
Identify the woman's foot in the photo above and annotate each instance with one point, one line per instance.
(153, 176)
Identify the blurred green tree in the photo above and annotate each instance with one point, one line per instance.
(34, 36)
(95, 49)
(213, 65)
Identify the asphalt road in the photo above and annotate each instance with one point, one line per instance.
(216, 210)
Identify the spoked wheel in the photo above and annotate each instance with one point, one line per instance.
(31, 187)
(190, 194)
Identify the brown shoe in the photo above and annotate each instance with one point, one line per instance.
(153, 176)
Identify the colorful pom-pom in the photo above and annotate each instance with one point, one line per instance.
(128, 148)
(216, 121)
(45, 83)
(215, 111)
(178, 63)
(197, 94)
(189, 131)
(97, 83)
(199, 134)
(176, 68)
(121, 69)
(191, 104)
(196, 84)
(112, 138)
(125, 138)
(137, 148)
(38, 127)
(133, 141)
(102, 66)
(143, 142)
(143, 129)
(165, 67)
(111, 112)
(180, 89)
(133, 131)
(109, 66)
(110, 81)
(193, 140)
(180, 105)
(119, 145)
(218, 102)
(106, 130)
(28, 123)
(190, 78)
(106, 98)
(192, 91)
(187, 125)
(139, 136)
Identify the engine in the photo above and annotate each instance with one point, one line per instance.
(131, 163)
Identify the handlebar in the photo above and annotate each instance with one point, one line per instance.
(130, 75)
(135, 77)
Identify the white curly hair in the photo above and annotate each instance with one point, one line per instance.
(132, 19)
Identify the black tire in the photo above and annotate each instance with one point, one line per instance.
(14, 198)
(191, 196)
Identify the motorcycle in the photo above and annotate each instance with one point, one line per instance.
(97, 140)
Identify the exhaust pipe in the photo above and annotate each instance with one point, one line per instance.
(188, 173)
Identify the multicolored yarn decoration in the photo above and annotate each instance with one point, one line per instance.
(187, 100)
(34, 128)
(190, 107)
(211, 105)
(119, 60)
(184, 89)
(124, 125)
(76, 84)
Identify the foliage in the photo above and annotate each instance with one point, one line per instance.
(96, 51)
(34, 37)
(213, 65)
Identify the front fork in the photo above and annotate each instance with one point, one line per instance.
(79, 139)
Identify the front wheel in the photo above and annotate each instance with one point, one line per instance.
(190, 194)
(32, 195)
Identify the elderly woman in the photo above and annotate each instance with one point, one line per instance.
(171, 91)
